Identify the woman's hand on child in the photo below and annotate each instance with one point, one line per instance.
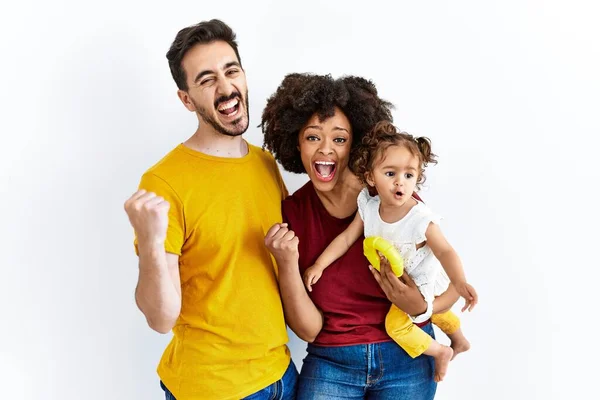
(312, 276)
(403, 291)
(468, 293)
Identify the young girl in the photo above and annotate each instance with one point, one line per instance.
(393, 163)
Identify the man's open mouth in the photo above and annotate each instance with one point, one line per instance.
(229, 108)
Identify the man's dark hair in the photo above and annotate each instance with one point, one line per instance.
(201, 33)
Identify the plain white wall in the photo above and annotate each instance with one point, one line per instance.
(508, 92)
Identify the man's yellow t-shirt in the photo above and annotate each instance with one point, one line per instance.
(230, 338)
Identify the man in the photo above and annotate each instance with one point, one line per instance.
(200, 219)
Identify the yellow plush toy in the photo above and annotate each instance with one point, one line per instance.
(373, 244)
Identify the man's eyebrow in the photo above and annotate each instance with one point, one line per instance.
(201, 74)
(232, 64)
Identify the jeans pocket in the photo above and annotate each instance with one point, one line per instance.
(289, 383)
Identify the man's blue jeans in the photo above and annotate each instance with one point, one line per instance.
(283, 389)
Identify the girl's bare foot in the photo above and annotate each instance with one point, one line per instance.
(442, 359)
(460, 346)
(459, 343)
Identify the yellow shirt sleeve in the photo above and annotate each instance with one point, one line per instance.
(284, 191)
(176, 230)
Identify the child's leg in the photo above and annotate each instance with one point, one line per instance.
(416, 342)
(449, 323)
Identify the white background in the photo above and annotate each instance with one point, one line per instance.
(509, 93)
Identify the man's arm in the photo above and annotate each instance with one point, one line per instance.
(158, 291)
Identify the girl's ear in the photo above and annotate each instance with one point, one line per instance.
(369, 179)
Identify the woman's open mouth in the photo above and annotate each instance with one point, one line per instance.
(325, 170)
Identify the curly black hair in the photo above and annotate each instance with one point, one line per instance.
(300, 96)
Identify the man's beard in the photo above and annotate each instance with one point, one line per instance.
(217, 126)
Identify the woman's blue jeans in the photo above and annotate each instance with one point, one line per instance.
(369, 371)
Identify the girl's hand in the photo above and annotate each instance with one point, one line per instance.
(468, 293)
(311, 276)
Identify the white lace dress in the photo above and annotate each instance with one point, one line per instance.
(421, 265)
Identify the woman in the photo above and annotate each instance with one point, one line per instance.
(311, 125)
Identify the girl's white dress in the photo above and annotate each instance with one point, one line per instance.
(421, 265)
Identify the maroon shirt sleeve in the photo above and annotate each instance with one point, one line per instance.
(353, 304)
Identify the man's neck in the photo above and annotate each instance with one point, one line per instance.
(216, 144)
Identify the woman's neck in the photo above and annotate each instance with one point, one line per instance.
(340, 202)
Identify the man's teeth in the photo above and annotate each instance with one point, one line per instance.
(229, 104)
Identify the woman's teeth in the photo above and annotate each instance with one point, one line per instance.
(324, 168)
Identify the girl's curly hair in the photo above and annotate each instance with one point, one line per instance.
(300, 96)
(383, 135)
